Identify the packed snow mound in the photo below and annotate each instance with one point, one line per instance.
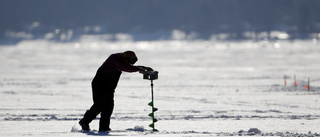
(75, 128)
(254, 131)
(137, 128)
(257, 132)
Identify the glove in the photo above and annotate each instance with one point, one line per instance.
(142, 71)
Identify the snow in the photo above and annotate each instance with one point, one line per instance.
(205, 88)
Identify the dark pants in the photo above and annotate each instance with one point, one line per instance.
(103, 93)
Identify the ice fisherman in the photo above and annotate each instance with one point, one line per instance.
(103, 87)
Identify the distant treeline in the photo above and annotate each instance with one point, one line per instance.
(298, 18)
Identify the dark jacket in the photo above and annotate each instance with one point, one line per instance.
(108, 74)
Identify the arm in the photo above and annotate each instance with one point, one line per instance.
(115, 62)
(123, 66)
(120, 64)
(145, 68)
(141, 69)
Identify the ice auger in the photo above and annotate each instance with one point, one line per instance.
(152, 75)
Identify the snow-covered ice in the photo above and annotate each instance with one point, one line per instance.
(205, 88)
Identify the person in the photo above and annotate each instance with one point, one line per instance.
(103, 87)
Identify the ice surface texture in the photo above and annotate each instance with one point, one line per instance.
(206, 87)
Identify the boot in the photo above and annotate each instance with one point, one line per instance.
(104, 125)
(84, 126)
(87, 118)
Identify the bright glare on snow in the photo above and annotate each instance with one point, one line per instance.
(205, 88)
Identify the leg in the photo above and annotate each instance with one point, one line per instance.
(106, 113)
(96, 108)
(91, 113)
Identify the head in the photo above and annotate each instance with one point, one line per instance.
(130, 57)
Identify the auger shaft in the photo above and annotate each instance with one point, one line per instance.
(152, 96)
(153, 109)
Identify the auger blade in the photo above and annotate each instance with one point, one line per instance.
(155, 130)
(155, 120)
(151, 125)
(155, 109)
(151, 115)
(150, 104)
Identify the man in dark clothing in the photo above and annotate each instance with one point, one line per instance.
(103, 87)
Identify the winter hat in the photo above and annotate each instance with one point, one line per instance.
(130, 56)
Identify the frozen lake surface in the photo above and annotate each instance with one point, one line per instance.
(204, 88)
